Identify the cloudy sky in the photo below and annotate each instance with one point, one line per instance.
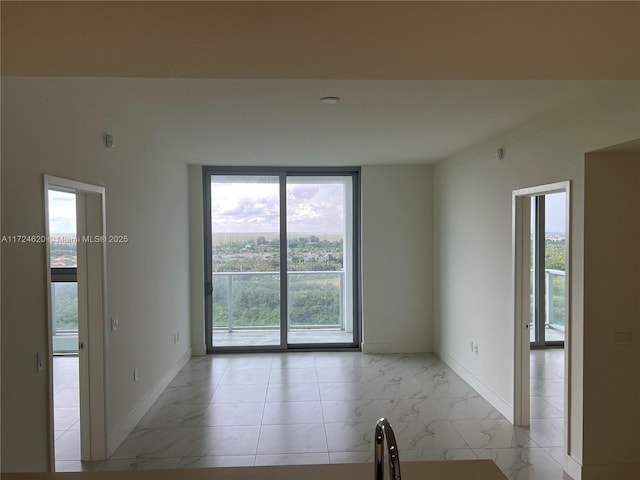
(244, 206)
(62, 212)
(554, 209)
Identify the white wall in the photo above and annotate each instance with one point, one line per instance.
(473, 252)
(397, 272)
(196, 258)
(56, 127)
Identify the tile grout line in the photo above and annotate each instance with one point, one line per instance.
(322, 408)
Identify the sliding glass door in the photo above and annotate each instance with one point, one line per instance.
(245, 260)
(281, 258)
(319, 257)
(548, 273)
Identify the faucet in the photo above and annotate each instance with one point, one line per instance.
(383, 429)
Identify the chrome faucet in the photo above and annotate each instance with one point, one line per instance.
(383, 429)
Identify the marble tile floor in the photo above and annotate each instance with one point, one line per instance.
(547, 400)
(313, 408)
(66, 401)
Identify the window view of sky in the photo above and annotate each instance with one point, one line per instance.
(315, 208)
(554, 208)
(239, 205)
(554, 213)
(62, 213)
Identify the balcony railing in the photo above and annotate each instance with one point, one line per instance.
(555, 298)
(554, 305)
(64, 311)
(251, 300)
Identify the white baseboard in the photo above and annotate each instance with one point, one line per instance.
(489, 395)
(123, 430)
(418, 347)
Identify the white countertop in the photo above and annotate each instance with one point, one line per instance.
(440, 470)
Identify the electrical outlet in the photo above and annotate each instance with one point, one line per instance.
(178, 336)
(136, 374)
(114, 324)
(475, 348)
(472, 346)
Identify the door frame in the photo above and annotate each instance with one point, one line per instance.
(283, 173)
(91, 281)
(521, 212)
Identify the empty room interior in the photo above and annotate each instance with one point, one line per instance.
(236, 234)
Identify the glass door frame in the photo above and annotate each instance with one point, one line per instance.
(283, 173)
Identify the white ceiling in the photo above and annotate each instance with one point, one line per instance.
(282, 122)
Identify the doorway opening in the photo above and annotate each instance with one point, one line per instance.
(548, 270)
(542, 318)
(63, 261)
(75, 261)
(281, 250)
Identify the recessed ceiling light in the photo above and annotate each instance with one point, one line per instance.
(330, 100)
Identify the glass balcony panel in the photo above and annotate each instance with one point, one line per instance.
(64, 309)
(556, 298)
(316, 308)
(246, 309)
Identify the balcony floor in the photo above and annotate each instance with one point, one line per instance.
(257, 338)
(551, 334)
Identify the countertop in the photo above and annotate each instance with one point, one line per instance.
(440, 470)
